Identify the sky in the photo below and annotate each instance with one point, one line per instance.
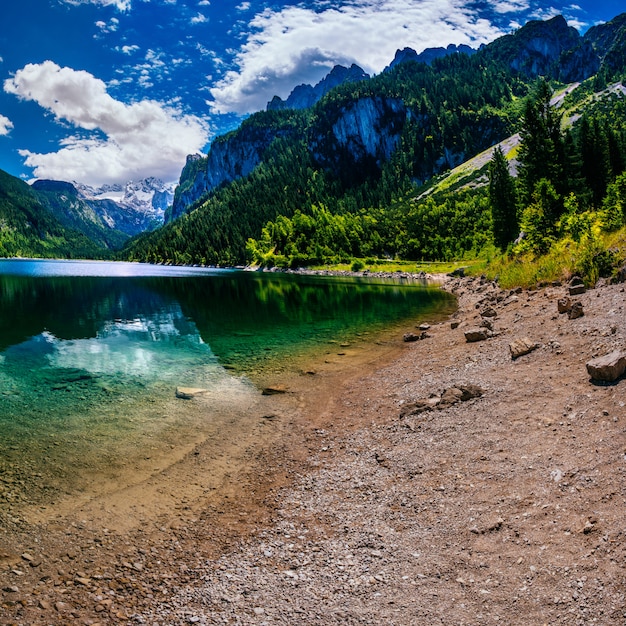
(106, 91)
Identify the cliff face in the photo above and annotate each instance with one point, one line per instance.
(609, 42)
(364, 133)
(230, 157)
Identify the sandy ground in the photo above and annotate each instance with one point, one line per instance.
(346, 504)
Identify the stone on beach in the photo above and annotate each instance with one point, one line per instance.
(609, 367)
(477, 334)
(522, 346)
(187, 393)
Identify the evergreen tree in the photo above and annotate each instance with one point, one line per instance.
(542, 150)
(594, 152)
(503, 200)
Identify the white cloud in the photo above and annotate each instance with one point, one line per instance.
(107, 27)
(244, 6)
(128, 49)
(367, 32)
(5, 125)
(120, 5)
(126, 141)
(199, 19)
(510, 6)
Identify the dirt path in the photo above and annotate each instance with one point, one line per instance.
(351, 506)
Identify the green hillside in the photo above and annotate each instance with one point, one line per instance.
(29, 229)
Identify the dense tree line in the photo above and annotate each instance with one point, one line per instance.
(567, 174)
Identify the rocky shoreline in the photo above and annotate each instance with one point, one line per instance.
(448, 481)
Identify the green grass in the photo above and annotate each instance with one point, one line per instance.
(413, 267)
(566, 259)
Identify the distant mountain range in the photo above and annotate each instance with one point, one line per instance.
(349, 141)
(102, 219)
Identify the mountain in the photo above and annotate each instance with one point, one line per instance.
(366, 143)
(109, 215)
(609, 42)
(305, 96)
(149, 198)
(29, 228)
(428, 55)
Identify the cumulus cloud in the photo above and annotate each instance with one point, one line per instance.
(120, 5)
(366, 32)
(116, 141)
(5, 125)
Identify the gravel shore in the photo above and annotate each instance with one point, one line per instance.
(386, 493)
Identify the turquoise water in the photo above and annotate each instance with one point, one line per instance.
(91, 354)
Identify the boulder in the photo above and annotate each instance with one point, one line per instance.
(477, 334)
(488, 312)
(522, 346)
(609, 367)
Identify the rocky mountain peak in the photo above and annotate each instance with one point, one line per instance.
(428, 55)
(305, 96)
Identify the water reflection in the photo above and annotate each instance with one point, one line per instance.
(108, 319)
(89, 362)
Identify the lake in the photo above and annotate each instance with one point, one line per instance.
(91, 354)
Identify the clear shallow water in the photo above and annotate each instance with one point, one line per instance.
(91, 354)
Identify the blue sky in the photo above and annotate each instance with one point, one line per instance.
(106, 91)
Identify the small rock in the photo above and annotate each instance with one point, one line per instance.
(454, 324)
(488, 312)
(476, 334)
(576, 286)
(564, 305)
(522, 346)
(421, 406)
(576, 310)
(408, 337)
(423, 327)
(187, 393)
(449, 397)
(272, 391)
(609, 367)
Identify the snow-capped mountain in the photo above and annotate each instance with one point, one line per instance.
(150, 196)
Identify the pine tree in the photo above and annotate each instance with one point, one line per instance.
(542, 151)
(503, 200)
